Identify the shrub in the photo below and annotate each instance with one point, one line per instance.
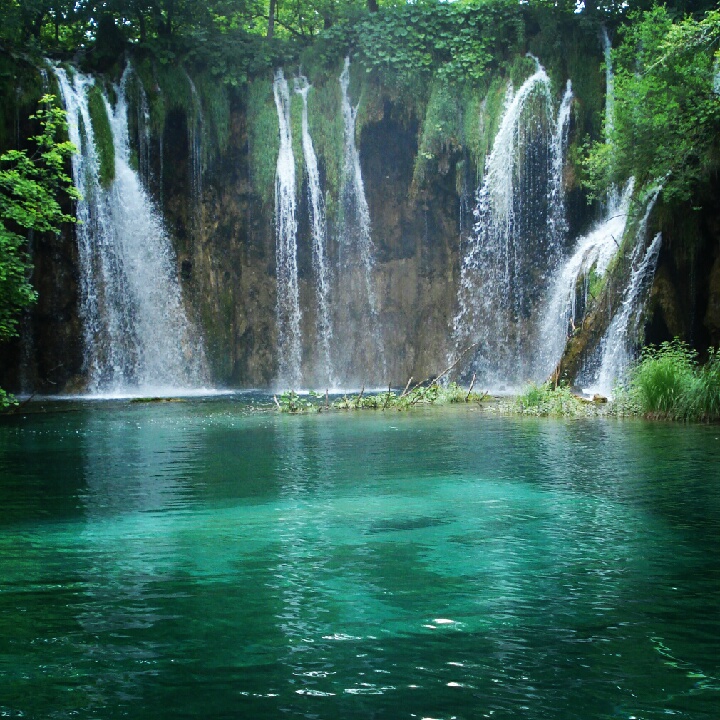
(703, 395)
(665, 379)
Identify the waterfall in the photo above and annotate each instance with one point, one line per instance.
(136, 335)
(518, 235)
(556, 199)
(618, 343)
(288, 300)
(593, 253)
(359, 325)
(319, 238)
(143, 123)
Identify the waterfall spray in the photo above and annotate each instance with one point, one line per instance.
(357, 250)
(593, 253)
(288, 299)
(618, 344)
(556, 200)
(518, 235)
(609, 85)
(319, 238)
(136, 335)
(195, 133)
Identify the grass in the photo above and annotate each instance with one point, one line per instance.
(545, 400)
(668, 382)
(422, 394)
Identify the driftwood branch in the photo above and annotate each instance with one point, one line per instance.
(404, 392)
(12, 410)
(472, 385)
(387, 397)
(448, 369)
(457, 360)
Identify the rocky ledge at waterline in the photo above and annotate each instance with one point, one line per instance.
(329, 228)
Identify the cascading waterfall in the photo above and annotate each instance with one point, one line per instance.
(319, 239)
(108, 335)
(622, 334)
(592, 255)
(556, 200)
(136, 335)
(358, 324)
(518, 237)
(288, 298)
(618, 344)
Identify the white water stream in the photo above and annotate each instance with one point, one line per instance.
(518, 236)
(286, 268)
(357, 252)
(318, 224)
(137, 337)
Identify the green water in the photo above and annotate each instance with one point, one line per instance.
(200, 560)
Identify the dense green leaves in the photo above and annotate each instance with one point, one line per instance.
(30, 189)
(667, 108)
(668, 382)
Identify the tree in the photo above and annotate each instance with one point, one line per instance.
(667, 108)
(30, 189)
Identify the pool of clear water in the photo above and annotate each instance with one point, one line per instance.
(208, 560)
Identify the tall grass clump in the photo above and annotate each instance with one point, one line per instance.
(669, 383)
(703, 398)
(662, 379)
(546, 400)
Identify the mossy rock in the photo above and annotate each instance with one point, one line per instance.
(102, 131)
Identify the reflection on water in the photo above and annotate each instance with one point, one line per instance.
(202, 560)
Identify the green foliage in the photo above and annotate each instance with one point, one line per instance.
(103, 135)
(6, 400)
(291, 402)
(461, 40)
(326, 128)
(432, 393)
(263, 138)
(549, 401)
(668, 382)
(30, 186)
(667, 114)
(703, 402)
(442, 132)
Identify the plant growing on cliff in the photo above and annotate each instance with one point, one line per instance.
(31, 184)
(667, 106)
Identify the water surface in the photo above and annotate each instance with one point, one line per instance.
(206, 560)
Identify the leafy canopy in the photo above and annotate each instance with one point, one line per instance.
(667, 104)
(31, 186)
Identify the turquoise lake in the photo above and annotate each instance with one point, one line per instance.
(208, 560)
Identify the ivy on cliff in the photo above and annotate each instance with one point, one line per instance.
(30, 187)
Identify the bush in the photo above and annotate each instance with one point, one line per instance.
(664, 380)
(703, 396)
(546, 400)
